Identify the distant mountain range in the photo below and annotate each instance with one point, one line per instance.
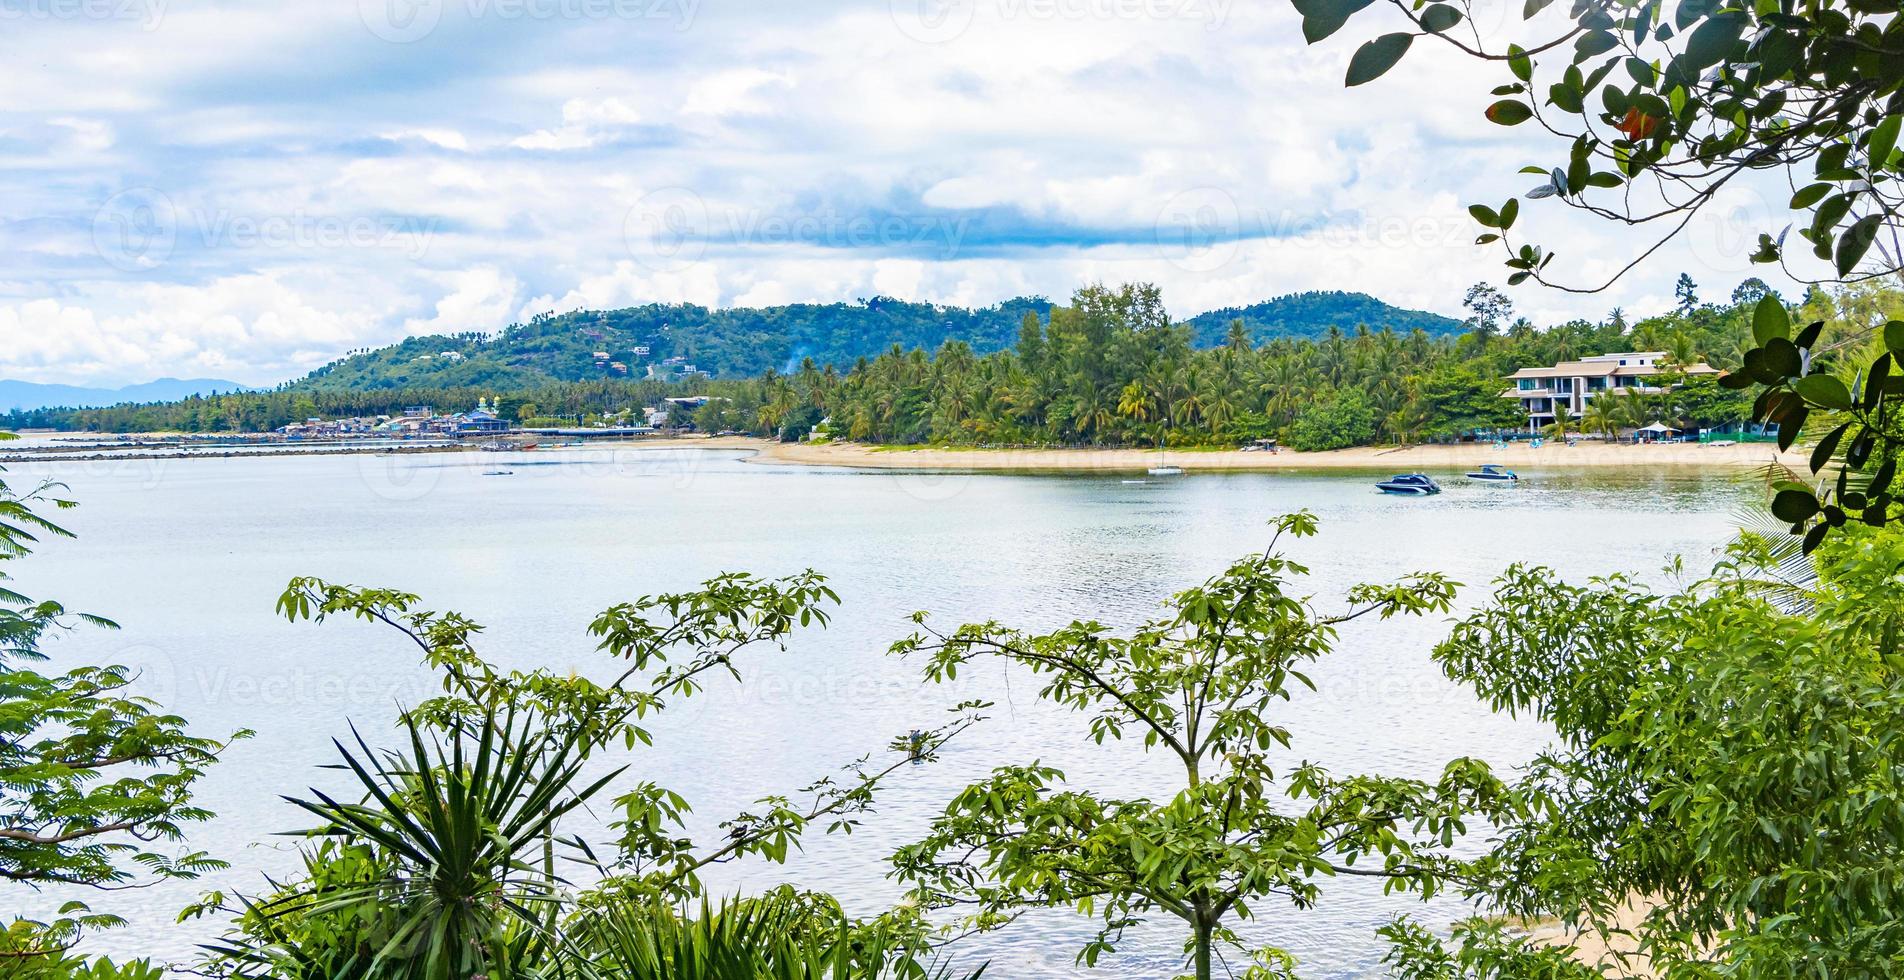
(669, 340)
(27, 395)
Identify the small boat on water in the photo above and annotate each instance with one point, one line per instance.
(1492, 473)
(499, 472)
(1165, 471)
(1410, 484)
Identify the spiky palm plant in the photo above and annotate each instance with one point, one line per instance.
(452, 828)
(776, 937)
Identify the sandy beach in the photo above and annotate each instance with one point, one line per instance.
(1519, 456)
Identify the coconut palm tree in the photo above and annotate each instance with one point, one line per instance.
(1562, 423)
(1602, 416)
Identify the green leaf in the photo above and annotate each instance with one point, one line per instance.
(1321, 18)
(1567, 97)
(1373, 59)
(1790, 424)
(1794, 506)
(1485, 215)
(1809, 195)
(1712, 41)
(1439, 17)
(1519, 63)
(1894, 336)
(1509, 112)
(1509, 212)
(1770, 320)
(1782, 358)
(1883, 140)
(1856, 241)
(1822, 453)
(1594, 43)
(1824, 390)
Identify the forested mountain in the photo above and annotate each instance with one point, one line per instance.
(1309, 316)
(662, 341)
(1109, 368)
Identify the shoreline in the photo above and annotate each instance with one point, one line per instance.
(91, 454)
(1742, 457)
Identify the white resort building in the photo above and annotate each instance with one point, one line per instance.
(1571, 384)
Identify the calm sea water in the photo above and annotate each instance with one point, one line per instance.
(189, 556)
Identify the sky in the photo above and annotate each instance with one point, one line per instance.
(247, 191)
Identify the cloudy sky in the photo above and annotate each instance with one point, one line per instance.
(246, 191)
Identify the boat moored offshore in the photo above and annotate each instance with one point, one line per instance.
(1410, 484)
(1494, 473)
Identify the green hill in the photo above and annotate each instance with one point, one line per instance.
(1310, 315)
(667, 340)
(659, 340)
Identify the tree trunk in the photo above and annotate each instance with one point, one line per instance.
(1203, 948)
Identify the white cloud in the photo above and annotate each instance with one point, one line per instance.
(250, 325)
(478, 299)
(584, 123)
(448, 139)
(87, 135)
(734, 92)
(492, 169)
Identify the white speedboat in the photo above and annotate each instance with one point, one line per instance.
(1165, 471)
(1409, 484)
(1492, 473)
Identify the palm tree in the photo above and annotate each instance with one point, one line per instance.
(1602, 415)
(1561, 425)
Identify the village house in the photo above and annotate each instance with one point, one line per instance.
(1572, 384)
(480, 420)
